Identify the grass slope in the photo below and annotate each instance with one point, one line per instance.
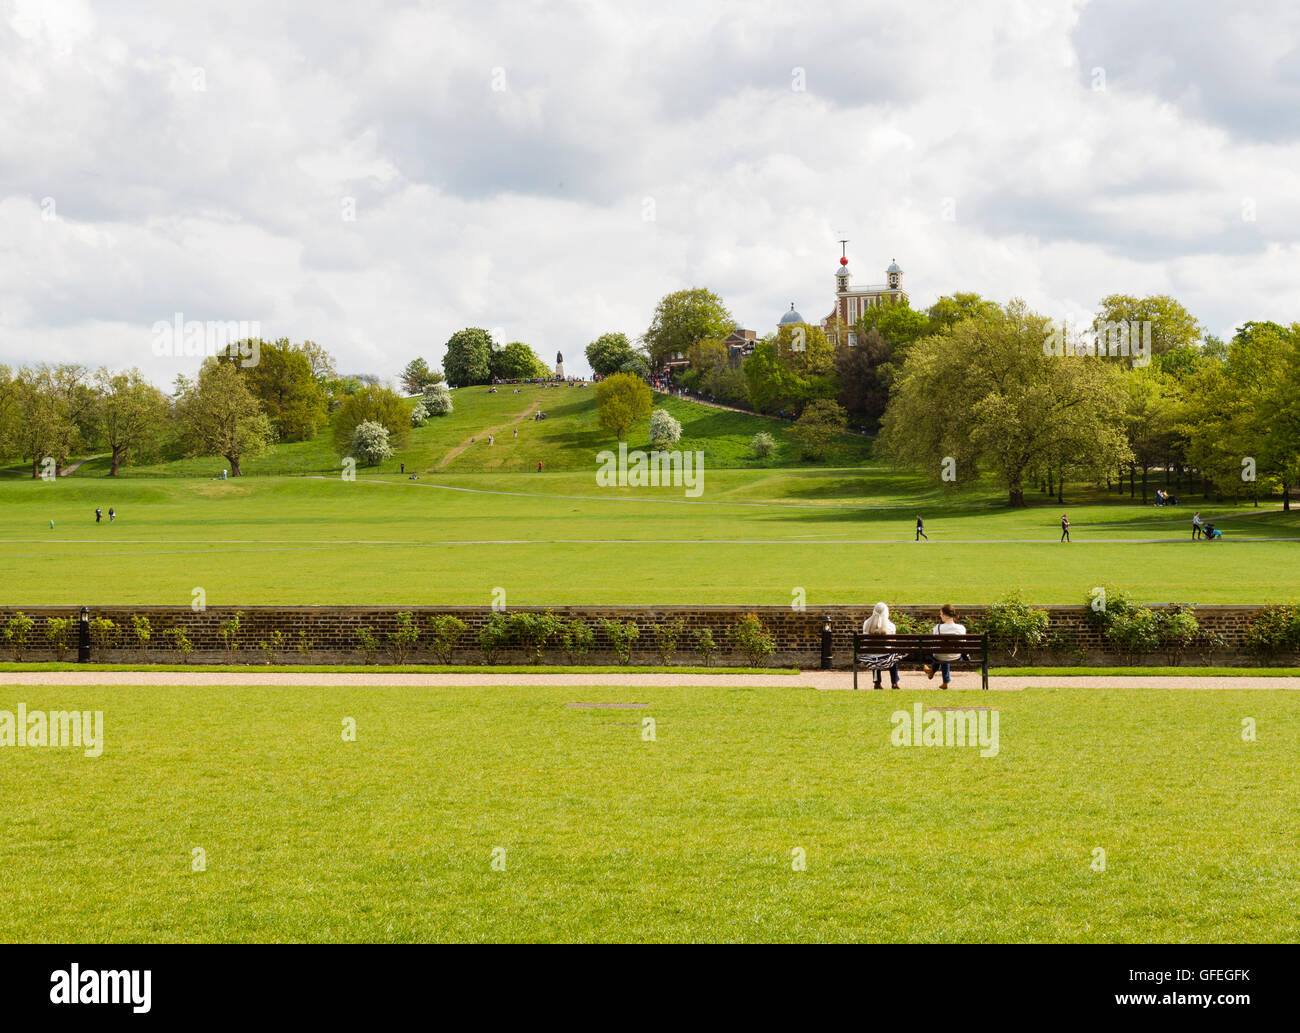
(688, 837)
(568, 439)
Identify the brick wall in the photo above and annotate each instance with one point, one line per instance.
(332, 632)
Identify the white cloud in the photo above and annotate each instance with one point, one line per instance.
(525, 207)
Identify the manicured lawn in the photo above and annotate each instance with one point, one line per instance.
(754, 537)
(687, 837)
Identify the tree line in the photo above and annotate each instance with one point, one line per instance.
(234, 407)
(971, 386)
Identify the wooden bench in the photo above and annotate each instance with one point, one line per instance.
(974, 648)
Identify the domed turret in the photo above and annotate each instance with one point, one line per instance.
(790, 317)
(894, 276)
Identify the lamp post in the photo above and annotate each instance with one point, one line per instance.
(83, 636)
(826, 642)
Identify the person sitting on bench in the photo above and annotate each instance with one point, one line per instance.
(947, 626)
(880, 624)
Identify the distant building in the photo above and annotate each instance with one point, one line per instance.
(740, 345)
(851, 303)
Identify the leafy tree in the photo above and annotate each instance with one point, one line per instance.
(664, 430)
(284, 382)
(984, 393)
(821, 422)
(437, 400)
(370, 445)
(320, 361)
(221, 416)
(636, 366)
(952, 309)
(683, 318)
(789, 370)
(468, 357)
(1248, 408)
(622, 400)
(130, 415)
(864, 391)
(417, 375)
(517, 361)
(50, 406)
(608, 352)
(419, 414)
(375, 404)
(1172, 326)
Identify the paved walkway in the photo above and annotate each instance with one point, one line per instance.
(828, 680)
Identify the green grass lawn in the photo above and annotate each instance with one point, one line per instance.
(688, 837)
(842, 534)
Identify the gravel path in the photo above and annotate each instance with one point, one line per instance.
(829, 680)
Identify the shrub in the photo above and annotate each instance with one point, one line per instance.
(753, 640)
(819, 424)
(1273, 630)
(577, 640)
(57, 632)
(1012, 623)
(666, 639)
(181, 643)
(445, 631)
(1177, 628)
(621, 637)
(229, 632)
(367, 644)
(143, 632)
(437, 400)
(762, 445)
(664, 430)
(370, 443)
(272, 648)
(494, 636)
(705, 647)
(534, 630)
(906, 624)
(102, 630)
(404, 639)
(1135, 632)
(419, 415)
(303, 646)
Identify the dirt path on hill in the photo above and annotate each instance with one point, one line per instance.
(484, 433)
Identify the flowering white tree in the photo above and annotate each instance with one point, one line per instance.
(664, 430)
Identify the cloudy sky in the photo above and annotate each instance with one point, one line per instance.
(374, 176)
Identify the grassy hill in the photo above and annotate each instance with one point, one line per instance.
(568, 439)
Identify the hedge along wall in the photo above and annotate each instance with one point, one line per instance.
(330, 633)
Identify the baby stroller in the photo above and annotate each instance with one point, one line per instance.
(1212, 532)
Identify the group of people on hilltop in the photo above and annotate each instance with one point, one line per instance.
(544, 381)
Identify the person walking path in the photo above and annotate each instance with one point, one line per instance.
(489, 431)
